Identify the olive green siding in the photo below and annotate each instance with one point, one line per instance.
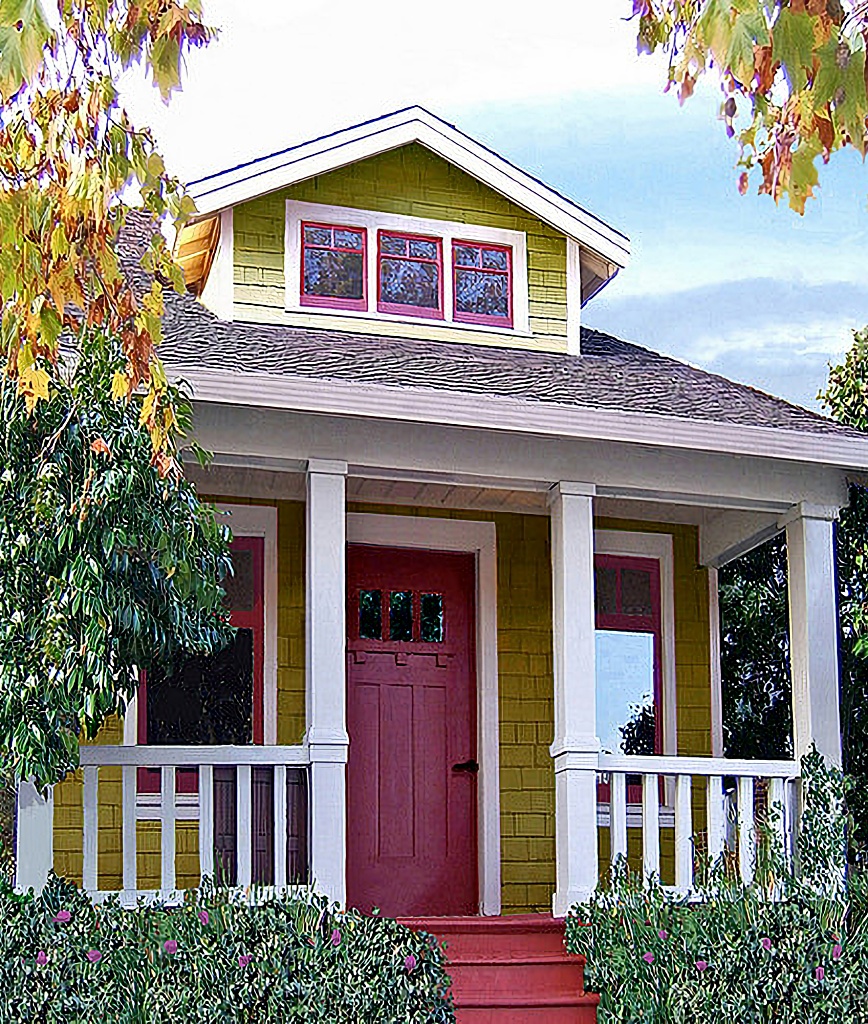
(410, 181)
(525, 703)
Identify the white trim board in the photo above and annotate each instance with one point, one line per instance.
(496, 412)
(414, 124)
(480, 539)
(660, 547)
(372, 221)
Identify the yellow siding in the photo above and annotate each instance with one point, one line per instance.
(410, 181)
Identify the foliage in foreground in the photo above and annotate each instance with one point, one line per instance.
(215, 958)
(105, 564)
(789, 949)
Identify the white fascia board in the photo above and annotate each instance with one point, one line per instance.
(247, 181)
(518, 416)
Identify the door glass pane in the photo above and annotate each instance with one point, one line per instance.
(432, 618)
(605, 591)
(239, 585)
(370, 614)
(401, 615)
(625, 692)
(636, 592)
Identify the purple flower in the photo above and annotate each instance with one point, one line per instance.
(42, 958)
(170, 946)
(94, 955)
(62, 916)
(766, 943)
(203, 916)
(820, 973)
(648, 958)
(701, 965)
(410, 962)
(336, 937)
(663, 934)
(245, 959)
(837, 951)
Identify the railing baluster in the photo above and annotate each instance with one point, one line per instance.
(167, 829)
(129, 846)
(778, 811)
(746, 835)
(280, 825)
(90, 830)
(683, 832)
(206, 821)
(618, 814)
(650, 826)
(244, 825)
(716, 822)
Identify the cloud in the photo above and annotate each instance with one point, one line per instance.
(776, 335)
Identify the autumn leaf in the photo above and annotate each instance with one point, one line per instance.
(24, 34)
(33, 384)
(100, 447)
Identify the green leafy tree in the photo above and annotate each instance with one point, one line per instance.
(792, 73)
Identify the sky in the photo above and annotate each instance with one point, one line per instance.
(733, 284)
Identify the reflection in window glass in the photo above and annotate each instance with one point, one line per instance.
(370, 614)
(636, 592)
(625, 691)
(401, 615)
(432, 618)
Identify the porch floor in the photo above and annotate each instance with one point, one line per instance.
(511, 969)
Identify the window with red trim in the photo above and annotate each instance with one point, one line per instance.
(409, 274)
(333, 266)
(482, 279)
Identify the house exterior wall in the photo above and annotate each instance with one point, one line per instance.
(525, 705)
(410, 181)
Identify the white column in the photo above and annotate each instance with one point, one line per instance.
(576, 748)
(326, 633)
(34, 847)
(814, 629)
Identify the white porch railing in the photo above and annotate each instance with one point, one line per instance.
(730, 812)
(283, 768)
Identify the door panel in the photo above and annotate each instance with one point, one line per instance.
(411, 712)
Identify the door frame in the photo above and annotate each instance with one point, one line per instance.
(478, 538)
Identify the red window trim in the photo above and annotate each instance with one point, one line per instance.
(482, 318)
(330, 301)
(396, 307)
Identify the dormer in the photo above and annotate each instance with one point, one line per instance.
(402, 226)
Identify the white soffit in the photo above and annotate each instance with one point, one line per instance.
(415, 124)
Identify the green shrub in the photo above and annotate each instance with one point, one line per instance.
(216, 958)
(789, 949)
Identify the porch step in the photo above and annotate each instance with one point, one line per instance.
(511, 970)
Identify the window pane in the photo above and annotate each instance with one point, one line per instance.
(348, 239)
(423, 250)
(401, 615)
(432, 618)
(407, 283)
(636, 592)
(625, 692)
(605, 591)
(394, 245)
(370, 614)
(481, 293)
(333, 274)
(239, 586)
(495, 259)
(465, 256)
(318, 236)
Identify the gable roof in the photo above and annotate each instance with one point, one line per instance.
(279, 170)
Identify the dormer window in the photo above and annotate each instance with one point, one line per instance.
(389, 267)
(333, 266)
(410, 275)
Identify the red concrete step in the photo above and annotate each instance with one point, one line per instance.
(512, 970)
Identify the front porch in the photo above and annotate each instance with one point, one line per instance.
(551, 808)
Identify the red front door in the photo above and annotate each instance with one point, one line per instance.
(411, 714)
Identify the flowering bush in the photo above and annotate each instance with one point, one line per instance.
(789, 949)
(216, 958)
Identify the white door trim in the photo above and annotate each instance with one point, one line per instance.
(479, 539)
(659, 546)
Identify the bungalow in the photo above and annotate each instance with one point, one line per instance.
(476, 552)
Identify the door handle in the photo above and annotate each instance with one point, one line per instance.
(470, 766)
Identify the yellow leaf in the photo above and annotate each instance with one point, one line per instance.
(120, 385)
